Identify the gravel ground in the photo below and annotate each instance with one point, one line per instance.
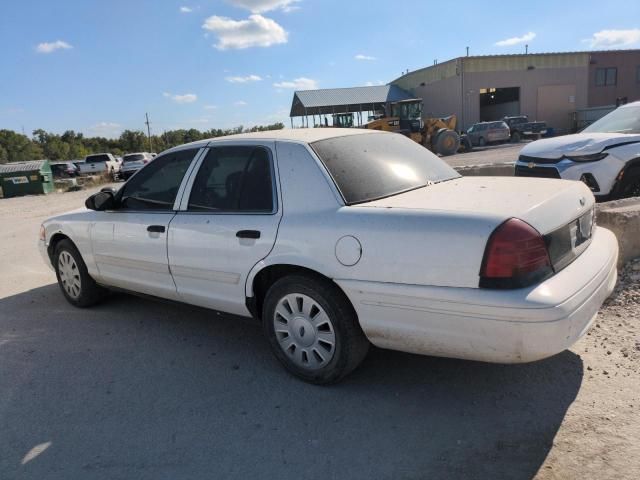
(505, 153)
(141, 389)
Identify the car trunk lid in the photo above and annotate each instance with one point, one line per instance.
(561, 210)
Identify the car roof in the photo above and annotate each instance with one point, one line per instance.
(296, 135)
(632, 104)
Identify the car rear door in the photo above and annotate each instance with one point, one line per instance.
(130, 242)
(228, 221)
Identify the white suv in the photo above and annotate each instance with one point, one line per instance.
(605, 155)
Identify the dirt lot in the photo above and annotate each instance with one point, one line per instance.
(505, 153)
(139, 389)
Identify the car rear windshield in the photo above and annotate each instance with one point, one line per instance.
(621, 120)
(372, 166)
(135, 157)
(97, 158)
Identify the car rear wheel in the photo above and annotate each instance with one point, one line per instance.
(312, 329)
(74, 280)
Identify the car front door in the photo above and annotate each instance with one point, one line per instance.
(228, 221)
(130, 242)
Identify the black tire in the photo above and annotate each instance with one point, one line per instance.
(447, 142)
(482, 142)
(630, 186)
(89, 292)
(516, 137)
(468, 147)
(350, 346)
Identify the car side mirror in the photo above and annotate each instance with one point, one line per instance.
(103, 200)
(108, 189)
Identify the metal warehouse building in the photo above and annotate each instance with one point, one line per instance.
(545, 86)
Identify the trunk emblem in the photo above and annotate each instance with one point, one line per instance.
(582, 201)
(531, 165)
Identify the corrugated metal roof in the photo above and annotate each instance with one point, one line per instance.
(326, 101)
(14, 167)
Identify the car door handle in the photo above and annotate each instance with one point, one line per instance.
(156, 228)
(248, 234)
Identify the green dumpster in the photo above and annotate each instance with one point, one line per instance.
(26, 178)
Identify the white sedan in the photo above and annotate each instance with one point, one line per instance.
(335, 238)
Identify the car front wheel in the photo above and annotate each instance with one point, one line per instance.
(313, 330)
(74, 280)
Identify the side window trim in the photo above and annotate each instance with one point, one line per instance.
(188, 178)
(183, 207)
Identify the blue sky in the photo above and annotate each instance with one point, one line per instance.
(98, 66)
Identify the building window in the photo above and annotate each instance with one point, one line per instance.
(606, 76)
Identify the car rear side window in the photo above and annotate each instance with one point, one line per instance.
(376, 165)
(234, 179)
(155, 186)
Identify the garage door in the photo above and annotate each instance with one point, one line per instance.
(556, 104)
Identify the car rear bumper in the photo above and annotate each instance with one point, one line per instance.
(501, 326)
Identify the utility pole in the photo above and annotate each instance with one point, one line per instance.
(526, 49)
(148, 131)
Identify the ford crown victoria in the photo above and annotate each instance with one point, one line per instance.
(336, 238)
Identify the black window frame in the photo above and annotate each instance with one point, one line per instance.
(121, 192)
(604, 81)
(194, 175)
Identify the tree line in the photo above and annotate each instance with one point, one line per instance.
(16, 147)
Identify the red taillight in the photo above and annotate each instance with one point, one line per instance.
(516, 256)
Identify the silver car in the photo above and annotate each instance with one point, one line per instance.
(483, 133)
(132, 162)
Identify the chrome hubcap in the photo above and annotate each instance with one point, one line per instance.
(304, 331)
(69, 274)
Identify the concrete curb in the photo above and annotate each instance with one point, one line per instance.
(622, 217)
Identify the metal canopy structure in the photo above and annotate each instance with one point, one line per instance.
(345, 100)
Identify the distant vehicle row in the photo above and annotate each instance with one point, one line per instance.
(118, 168)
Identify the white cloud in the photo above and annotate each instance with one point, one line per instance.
(186, 9)
(614, 38)
(210, 107)
(301, 83)
(106, 129)
(247, 79)
(261, 6)
(241, 103)
(48, 47)
(256, 31)
(364, 57)
(508, 42)
(185, 98)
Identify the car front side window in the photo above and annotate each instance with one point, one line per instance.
(234, 179)
(155, 186)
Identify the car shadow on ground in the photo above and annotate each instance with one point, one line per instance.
(139, 389)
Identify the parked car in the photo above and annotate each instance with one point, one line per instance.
(99, 163)
(132, 162)
(64, 169)
(335, 238)
(483, 133)
(605, 155)
(520, 127)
